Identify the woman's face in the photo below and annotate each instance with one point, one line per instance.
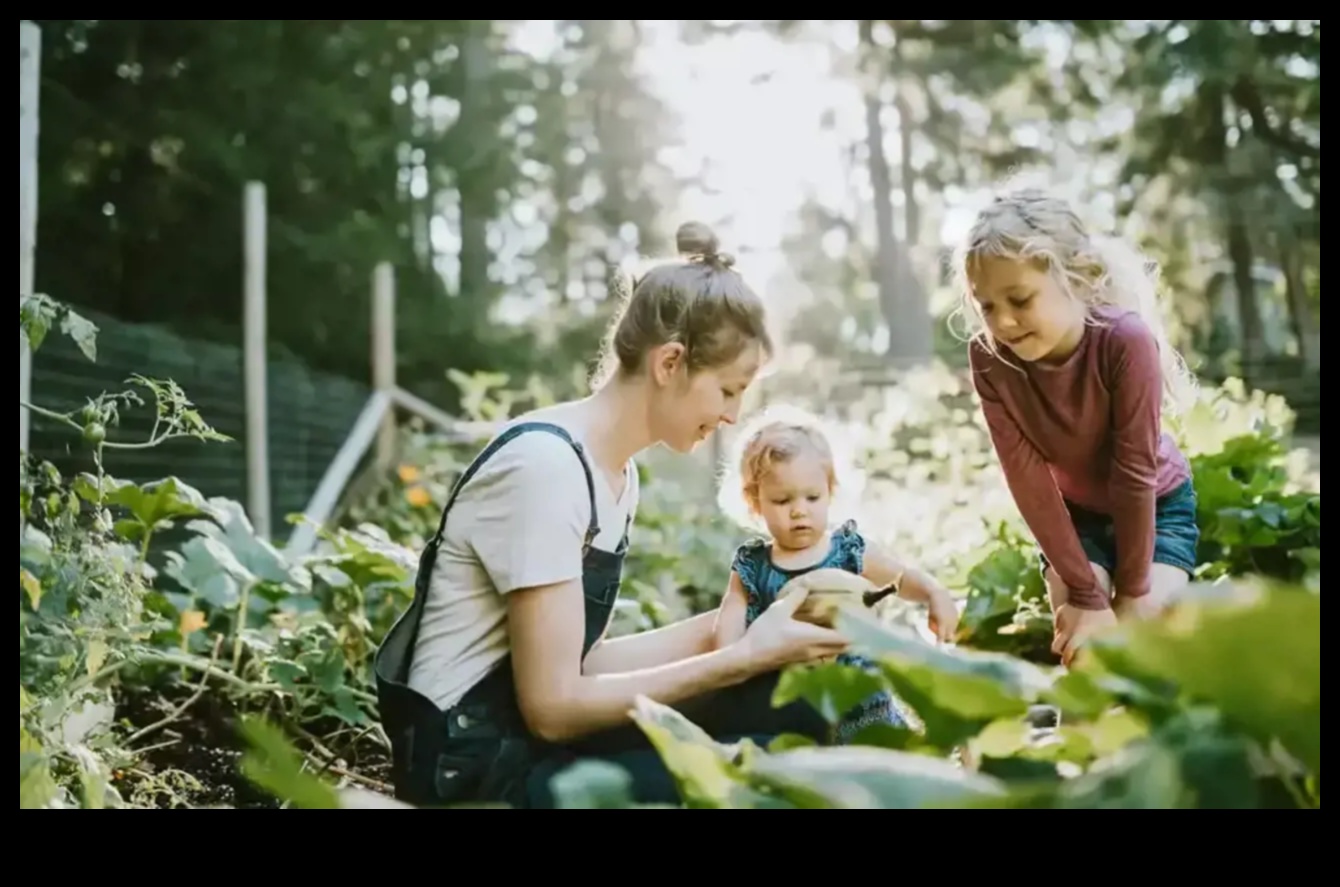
(687, 407)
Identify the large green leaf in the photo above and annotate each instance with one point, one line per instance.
(703, 769)
(154, 505)
(231, 528)
(1257, 660)
(274, 765)
(37, 789)
(955, 692)
(700, 767)
(864, 778)
(207, 568)
(1217, 767)
(831, 687)
(1140, 777)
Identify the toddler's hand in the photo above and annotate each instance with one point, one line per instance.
(1075, 626)
(943, 615)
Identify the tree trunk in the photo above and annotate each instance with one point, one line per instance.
(905, 306)
(1238, 237)
(1306, 328)
(476, 203)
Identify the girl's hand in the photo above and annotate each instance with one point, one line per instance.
(1134, 609)
(1147, 606)
(1075, 626)
(943, 615)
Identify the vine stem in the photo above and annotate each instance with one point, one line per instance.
(144, 547)
(180, 709)
(200, 666)
(107, 444)
(50, 414)
(197, 664)
(242, 606)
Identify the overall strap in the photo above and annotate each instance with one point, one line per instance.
(593, 527)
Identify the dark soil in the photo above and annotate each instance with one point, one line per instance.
(204, 744)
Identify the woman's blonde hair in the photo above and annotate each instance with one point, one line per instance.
(1030, 225)
(699, 301)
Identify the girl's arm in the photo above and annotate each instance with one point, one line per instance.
(914, 585)
(1035, 494)
(1137, 397)
(730, 616)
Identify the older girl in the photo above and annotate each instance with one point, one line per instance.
(1073, 369)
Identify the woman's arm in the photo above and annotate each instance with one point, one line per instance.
(731, 614)
(648, 649)
(699, 634)
(560, 702)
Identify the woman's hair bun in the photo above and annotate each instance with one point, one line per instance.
(695, 240)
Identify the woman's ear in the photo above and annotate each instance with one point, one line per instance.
(666, 362)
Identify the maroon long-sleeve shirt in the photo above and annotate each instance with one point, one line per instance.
(1087, 430)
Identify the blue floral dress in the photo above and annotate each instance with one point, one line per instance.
(763, 581)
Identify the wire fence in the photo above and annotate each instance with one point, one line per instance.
(310, 412)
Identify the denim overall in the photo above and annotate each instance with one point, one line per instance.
(479, 751)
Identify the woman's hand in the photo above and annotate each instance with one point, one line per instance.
(776, 640)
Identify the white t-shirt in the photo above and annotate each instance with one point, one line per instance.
(520, 522)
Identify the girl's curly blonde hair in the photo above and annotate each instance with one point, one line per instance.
(1030, 225)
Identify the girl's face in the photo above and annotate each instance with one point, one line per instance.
(1026, 310)
(793, 500)
(688, 407)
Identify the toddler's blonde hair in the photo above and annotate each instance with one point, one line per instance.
(773, 437)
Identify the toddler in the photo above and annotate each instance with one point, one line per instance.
(787, 479)
(1073, 369)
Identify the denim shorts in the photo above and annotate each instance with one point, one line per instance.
(1176, 533)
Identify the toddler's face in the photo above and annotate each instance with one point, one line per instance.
(793, 501)
(1026, 310)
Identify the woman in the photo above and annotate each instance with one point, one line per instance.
(500, 674)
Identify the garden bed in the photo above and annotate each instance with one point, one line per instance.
(190, 752)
